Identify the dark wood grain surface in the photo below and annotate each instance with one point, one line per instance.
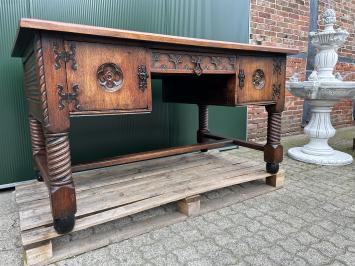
(27, 25)
(93, 96)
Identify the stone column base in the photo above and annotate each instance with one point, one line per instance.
(336, 158)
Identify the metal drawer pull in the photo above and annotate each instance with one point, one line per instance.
(142, 76)
(241, 77)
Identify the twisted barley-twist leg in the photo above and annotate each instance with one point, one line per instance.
(202, 124)
(62, 191)
(273, 153)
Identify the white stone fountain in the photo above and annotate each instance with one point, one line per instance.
(323, 90)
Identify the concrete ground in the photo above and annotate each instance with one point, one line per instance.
(311, 221)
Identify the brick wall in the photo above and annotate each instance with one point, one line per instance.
(286, 23)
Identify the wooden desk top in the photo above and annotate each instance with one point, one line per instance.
(28, 26)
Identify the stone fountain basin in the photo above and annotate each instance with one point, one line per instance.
(326, 38)
(323, 90)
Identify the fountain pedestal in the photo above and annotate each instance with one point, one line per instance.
(319, 130)
(323, 90)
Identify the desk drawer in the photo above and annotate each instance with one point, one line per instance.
(261, 79)
(182, 62)
(106, 78)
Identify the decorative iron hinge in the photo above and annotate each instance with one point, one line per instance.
(65, 56)
(241, 77)
(276, 91)
(142, 76)
(69, 97)
(277, 65)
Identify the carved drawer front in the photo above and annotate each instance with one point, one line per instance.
(190, 62)
(106, 78)
(260, 79)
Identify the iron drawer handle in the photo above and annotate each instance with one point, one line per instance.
(142, 76)
(241, 77)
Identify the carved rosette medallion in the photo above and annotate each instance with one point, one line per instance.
(259, 79)
(110, 77)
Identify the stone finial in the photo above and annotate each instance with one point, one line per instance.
(329, 17)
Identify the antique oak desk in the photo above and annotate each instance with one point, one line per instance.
(77, 70)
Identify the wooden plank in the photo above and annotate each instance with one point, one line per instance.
(114, 176)
(141, 178)
(106, 202)
(118, 197)
(220, 170)
(276, 180)
(40, 216)
(39, 254)
(116, 192)
(108, 178)
(149, 163)
(189, 206)
(83, 179)
(44, 233)
(65, 250)
(30, 218)
(138, 179)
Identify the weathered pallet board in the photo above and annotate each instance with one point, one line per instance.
(108, 194)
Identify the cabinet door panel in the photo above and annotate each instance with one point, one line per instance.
(106, 79)
(264, 79)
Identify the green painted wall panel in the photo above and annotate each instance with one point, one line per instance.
(225, 20)
(92, 137)
(113, 135)
(15, 149)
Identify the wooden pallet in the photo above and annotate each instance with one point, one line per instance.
(107, 194)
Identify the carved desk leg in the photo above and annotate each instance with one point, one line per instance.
(60, 183)
(273, 153)
(37, 141)
(202, 124)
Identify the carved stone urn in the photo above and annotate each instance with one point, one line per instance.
(323, 89)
